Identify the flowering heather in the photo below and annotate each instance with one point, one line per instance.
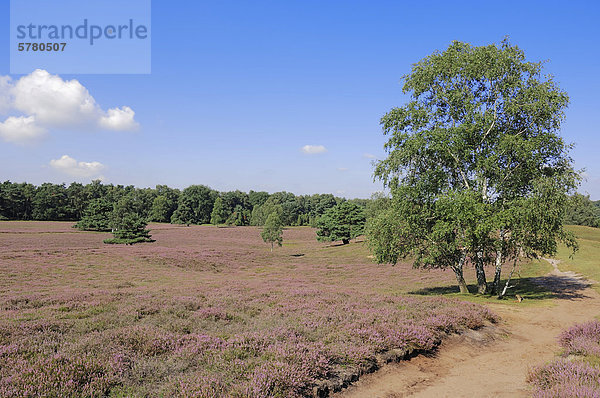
(575, 376)
(583, 339)
(204, 312)
(564, 378)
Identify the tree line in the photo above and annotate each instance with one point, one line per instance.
(581, 210)
(199, 204)
(196, 204)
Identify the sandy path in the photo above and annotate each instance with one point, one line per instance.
(486, 364)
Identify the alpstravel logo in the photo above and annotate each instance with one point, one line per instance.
(74, 36)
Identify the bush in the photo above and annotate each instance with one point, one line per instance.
(582, 339)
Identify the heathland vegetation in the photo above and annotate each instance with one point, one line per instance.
(479, 180)
(206, 312)
(576, 372)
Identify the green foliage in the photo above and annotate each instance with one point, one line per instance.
(272, 231)
(295, 210)
(378, 203)
(475, 165)
(164, 204)
(239, 217)
(195, 205)
(582, 211)
(161, 204)
(127, 225)
(184, 213)
(219, 213)
(161, 209)
(285, 203)
(342, 222)
(96, 216)
(77, 201)
(16, 200)
(261, 213)
(51, 203)
(257, 198)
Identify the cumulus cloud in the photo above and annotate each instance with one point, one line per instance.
(54, 101)
(368, 156)
(313, 149)
(57, 103)
(21, 130)
(72, 167)
(5, 95)
(119, 119)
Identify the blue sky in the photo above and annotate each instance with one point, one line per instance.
(238, 88)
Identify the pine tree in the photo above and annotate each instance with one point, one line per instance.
(96, 217)
(127, 225)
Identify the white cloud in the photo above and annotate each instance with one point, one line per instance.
(119, 119)
(368, 156)
(72, 167)
(56, 103)
(21, 130)
(5, 94)
(342, 169)
(313, 149)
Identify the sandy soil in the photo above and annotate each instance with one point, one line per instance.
(494, 361)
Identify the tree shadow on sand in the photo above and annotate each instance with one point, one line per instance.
(533, 288)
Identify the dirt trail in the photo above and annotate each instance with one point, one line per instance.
(484, 364)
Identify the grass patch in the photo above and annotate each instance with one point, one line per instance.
(586, 261)
(525, 283)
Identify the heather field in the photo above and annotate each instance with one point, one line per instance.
(577, 373)
(206, 312)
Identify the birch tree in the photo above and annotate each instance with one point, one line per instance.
(272, 231)
(477, 169)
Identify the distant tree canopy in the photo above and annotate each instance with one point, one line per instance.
(184, 214)
(262, 212)
(193, 205)
(342, 222)
(219, 213)
(232, 208)
(164, 204)
(476, 168)
(582, 211)
(200, 199)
